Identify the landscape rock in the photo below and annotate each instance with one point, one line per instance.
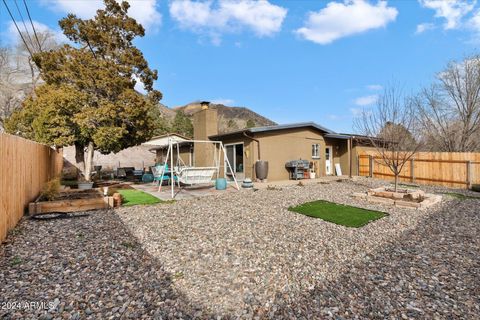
(246, 256)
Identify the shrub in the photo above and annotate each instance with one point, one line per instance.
(51, 189)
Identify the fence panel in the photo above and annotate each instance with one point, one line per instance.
(450, 169)
(25, 166)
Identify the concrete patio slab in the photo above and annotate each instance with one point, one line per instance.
(189, 192)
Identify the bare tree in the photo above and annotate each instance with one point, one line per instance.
(450, 108)
(19, 75)
(391, 127)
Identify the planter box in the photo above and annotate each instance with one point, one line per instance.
(77, 201)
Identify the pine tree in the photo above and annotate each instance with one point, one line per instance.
(182, 124)
(250, 123)
(89, 99)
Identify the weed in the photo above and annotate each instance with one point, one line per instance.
(129, 245)
(51, 189)
(16, 261)
(273, 188)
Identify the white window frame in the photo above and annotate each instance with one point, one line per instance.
(316, 151)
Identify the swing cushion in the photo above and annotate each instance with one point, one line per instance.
(196, 175)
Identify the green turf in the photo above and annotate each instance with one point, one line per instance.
(132, 197)
(338, 213)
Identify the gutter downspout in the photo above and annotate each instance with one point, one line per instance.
(256, 140)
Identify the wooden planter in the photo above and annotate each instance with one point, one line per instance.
(72, 201)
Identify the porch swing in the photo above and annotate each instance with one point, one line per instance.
(187, 175)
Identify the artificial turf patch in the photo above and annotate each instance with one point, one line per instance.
(344, 215)
(132, 197)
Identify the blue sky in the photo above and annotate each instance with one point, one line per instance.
(290, 61)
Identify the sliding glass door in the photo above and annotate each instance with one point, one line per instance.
(235, 157)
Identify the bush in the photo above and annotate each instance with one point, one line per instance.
(51, 189)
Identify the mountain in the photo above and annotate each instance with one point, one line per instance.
(229, 118)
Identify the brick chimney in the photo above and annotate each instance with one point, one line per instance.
(205, 124)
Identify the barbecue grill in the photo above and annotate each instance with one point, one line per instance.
(297, 168)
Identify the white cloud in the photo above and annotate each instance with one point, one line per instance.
(139, 86)
(338, 20)
(451, 10)
(374, 87)
(226, 102)
(12, 36)
(144, 11)
(366, 100)
(215, 18)
(474, 22)
(356, 111)
(422, 27)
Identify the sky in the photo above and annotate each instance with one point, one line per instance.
(291, 61)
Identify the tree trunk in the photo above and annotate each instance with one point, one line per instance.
(396, 182)
(89, 161)
(80, 157)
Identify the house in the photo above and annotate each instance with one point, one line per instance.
(278, 144)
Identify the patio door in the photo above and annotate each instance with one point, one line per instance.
(328, 160)
(235, 157)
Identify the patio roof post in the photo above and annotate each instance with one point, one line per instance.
(349, 143)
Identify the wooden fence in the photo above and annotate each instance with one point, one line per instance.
(25, 166)
(449, 169)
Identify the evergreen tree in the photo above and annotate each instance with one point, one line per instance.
(182, 124)
(89, 99)
(250, 123)
(231, 124)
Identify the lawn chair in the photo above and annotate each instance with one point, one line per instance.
(157, 174)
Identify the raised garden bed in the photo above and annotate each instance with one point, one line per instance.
(404, 198)
(72, 200)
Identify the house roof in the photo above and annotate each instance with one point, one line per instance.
(276, 128)
(338, 136)
(162, 141)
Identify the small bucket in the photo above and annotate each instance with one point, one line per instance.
(221, 184)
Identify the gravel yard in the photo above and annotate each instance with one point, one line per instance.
(90, 267)
(244, 255)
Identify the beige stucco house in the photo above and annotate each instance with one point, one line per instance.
(278, 144)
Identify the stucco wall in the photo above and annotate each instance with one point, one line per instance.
(278, 147)
(205, 124)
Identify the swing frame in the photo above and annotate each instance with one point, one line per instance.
(174, 173)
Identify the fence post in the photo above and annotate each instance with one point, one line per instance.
(469, 174)
(412, 170)
(370, 166)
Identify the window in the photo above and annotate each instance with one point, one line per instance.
(316, 151)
